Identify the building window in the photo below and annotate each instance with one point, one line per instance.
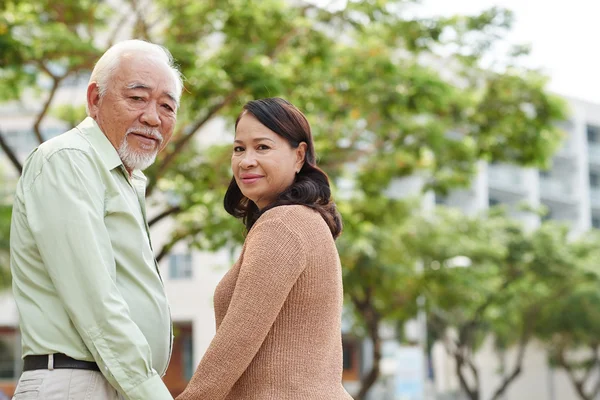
(493, 202)
(593, 133)
(548, 214)
(20, 141)
(187, 348)
(348, 353)
(180, 266)
(594, 179)
(8, 356)
(351, 360)
(440, 200)
(596, 222)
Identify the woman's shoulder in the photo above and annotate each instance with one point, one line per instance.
(296, 218)
(294, 213)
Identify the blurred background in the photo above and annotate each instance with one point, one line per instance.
(462, 139)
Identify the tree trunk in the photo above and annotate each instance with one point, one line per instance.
(10, 153)
(372, 320)
(473, 394)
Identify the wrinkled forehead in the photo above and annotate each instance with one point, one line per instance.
(146, 72)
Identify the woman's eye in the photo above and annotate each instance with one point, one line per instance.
(263, 147)
(237, 149)
(136, 98)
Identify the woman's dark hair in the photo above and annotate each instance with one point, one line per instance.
(311, 185)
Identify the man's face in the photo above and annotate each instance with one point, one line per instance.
(138, 111)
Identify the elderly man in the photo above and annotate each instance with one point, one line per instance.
(94, 317)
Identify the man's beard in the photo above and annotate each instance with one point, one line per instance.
(136, 159)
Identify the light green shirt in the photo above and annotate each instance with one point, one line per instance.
(85, 279)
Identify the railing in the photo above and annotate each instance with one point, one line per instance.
(595, 196)
(594, 153)
(567, 150)
(506, 177)
(556, 189)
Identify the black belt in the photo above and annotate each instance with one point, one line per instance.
(61, 361)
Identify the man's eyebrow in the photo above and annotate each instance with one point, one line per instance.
(171, 95)
(137, 85)
(143, 86)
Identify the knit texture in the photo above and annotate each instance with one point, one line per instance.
(278, 315)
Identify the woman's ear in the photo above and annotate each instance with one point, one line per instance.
(300, 156)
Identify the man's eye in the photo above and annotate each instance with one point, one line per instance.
(168, 107)
(136, 98)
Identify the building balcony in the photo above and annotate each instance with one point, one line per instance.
(557, 190)
(567, 150)
(595, 197)
(507, 178)
(594, 153)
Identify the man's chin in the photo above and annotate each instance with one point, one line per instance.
(139, 161)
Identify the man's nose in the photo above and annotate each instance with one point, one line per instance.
(150, 115)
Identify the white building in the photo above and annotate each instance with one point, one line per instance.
(570, 190)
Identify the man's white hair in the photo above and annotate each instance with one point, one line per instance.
(108, 63)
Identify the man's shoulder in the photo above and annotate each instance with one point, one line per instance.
(66, 148)
(70, 140)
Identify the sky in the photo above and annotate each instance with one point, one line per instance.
(564, 36)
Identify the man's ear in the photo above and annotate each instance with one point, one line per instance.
(93, 98)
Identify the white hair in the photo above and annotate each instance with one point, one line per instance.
(108, 63)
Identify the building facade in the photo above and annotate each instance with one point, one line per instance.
(570, 190)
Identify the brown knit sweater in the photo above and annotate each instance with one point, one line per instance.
(278, 313)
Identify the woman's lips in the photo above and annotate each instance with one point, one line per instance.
(250, 179)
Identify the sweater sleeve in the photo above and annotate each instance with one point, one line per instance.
(272, 262)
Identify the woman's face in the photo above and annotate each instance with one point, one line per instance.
(263, 163)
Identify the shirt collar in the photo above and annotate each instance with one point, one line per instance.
(90, 129)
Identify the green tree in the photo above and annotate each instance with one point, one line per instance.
(511, 276)
(569, 324)
(369, 78)
(5, 213)
(380, 281)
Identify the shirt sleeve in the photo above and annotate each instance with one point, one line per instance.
(272, 262)
(65, 211)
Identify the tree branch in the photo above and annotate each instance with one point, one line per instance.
(460, 361)
(592, 364)
(118, 26)
(10, 153)
(55, 83)
(516, 371)
(179, 145)
(465, 332)
(578, 384)
(140, 20)
(164, 214)
(372, 320)
(176, 238)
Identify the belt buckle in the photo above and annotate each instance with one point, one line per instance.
(51, 362)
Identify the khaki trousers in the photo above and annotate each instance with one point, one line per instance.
(64, 384)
